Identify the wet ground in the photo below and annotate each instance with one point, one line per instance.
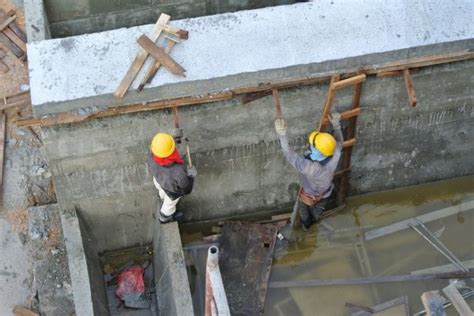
(338, 249)
(345, 254)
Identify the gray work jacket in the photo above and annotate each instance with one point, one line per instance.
(316, 178)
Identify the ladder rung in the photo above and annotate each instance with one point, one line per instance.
(345, 115)
(348, 82)
(349, 143)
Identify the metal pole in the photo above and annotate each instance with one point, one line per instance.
(216, 299)
(437, 247)
(465, 269)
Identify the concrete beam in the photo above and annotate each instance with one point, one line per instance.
(36, 21)
(64, 76)
(172, 285)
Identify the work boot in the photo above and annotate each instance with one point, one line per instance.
(178, 216)
(166, 219)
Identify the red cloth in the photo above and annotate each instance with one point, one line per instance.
(173, 158)
(129, 281)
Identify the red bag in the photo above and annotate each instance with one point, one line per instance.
(130, 281)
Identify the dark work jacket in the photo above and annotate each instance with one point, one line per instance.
(172, 178)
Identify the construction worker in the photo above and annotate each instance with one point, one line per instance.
(170, 175)
(316, 169)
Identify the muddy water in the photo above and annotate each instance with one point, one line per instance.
(345, 254)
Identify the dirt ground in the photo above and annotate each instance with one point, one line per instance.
(26, 182)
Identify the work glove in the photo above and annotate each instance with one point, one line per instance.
(335, 119)
(280, 127)
(177, 133)
(192, 172)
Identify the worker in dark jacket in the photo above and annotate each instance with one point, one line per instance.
(316, 168)
(170, 175)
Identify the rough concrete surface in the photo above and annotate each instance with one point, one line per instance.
(243, 42)
(37, 27)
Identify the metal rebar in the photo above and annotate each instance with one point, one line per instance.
(465, 269)
(437, 247)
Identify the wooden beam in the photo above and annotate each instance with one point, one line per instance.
(253, 96)
(410, 87)
(15, 39)
(139, 60)
(154, 67)
(284, 84)
(425, 218)
(370, 280)
(14, 26)
(70, 117)
(457, 300)
(349, 143)
(180, 33)
(329, 101)
(345, 115)
(349, 81)
(10, 45)
(6, 21)
(161, 56)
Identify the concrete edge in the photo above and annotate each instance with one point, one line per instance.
(36, 21)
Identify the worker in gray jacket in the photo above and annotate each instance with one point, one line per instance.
(316, 168)
(170, 176)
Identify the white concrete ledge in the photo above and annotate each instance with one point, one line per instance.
(223, 45)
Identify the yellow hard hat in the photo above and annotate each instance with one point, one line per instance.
(324, 142)
(162, 145)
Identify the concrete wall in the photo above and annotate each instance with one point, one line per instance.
(74, 17)
(99, 166)
(84, 266)
(172, 285)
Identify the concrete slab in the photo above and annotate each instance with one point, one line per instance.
(89, 67)
(36, 21)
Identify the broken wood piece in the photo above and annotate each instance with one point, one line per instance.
(349, 81)
(15, 39)
(139, 60)
(3, 67)
(161, 56)
(180, 33)
(433, 303)
(329, 101)
(370, 280)
(457, 300)
(15, 28)
(393, 73)
(154, 67)
(345, 115)
(410, 87)
(250, 97)
(6, 21)
(276, 102)
(425, 218)
(22, 311)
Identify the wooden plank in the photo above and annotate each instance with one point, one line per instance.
(14, 26)
(458, 301)
(3, 123)
(425, 218)
(345, 115)
(370, 280)
(154, 67)
(22, 311)
(161, 56)
(180, 33)
(139, 60)
(15, 39)
(6, 21)
(276, 103)
(433, 303)
(3, 67)
(410, 87)
(21, 103)
(329, 101)
(349, 81)
(288, 83)
(10, 45)
(69, 117)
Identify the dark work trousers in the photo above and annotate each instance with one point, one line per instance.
(312, 214)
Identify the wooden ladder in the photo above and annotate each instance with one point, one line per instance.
(351, 115)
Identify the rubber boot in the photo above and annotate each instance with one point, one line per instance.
(166, 219)
(178, 216)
